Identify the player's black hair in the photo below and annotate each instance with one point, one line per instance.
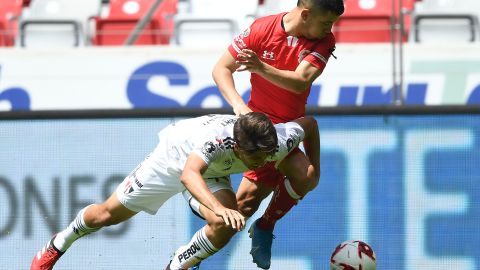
(337, 7)
(255, 132)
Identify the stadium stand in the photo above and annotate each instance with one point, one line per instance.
(10, 11)
(184, 22)
(373, 20)
(268, 7)
(216, 20)
(435, 20)
(123, 15)
(57, 23)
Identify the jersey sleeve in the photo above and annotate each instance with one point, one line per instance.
(289, 135)
(322, 52)
(246, 39)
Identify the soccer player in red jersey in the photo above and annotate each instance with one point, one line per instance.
(284, 53)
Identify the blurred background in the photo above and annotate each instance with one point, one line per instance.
(85, 85)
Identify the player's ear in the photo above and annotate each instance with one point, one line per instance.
(304, 14)
(236, 148)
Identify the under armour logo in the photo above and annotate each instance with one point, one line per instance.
(268, 55)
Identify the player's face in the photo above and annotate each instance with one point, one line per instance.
(319, 23)
(252, 160)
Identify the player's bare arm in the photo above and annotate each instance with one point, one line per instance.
(311, 143)
(295, 81)
(303, 170)
(222, 75)
(193, 181)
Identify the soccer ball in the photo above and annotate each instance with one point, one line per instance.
(353, 255)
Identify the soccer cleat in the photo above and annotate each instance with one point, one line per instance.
(261, 245)
(46, 258)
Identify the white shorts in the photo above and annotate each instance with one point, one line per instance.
(214, 185)
(150, 185)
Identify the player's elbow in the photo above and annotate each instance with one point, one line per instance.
(215, 74)
(302, 83)
(300, 86)
(219, 70)
(184, 178)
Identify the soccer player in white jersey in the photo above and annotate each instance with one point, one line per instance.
(195, 156)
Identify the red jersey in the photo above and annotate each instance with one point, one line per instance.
(267, 38)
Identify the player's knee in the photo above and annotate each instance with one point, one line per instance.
(247, 207)
(305, 185)
(218, 226)
(313, 179)
(313, 182)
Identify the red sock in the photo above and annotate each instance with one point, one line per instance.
(284, 198)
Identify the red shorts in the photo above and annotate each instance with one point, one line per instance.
(267, 175)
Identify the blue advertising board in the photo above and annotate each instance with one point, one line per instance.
(407, 185)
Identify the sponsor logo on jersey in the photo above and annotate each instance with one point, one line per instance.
(228, 142)
(246, 32)
(208, 148)
(240, 43)
(228, 122)
(228, 163)
(140, 185)
(211, 118)
(129, 184)
(290, 144)
(268, 55)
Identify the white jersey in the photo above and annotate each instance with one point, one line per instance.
(211, 138)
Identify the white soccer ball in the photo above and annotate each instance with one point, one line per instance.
(353, 255)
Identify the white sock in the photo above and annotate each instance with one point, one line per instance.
(75, 230)
(197, 250)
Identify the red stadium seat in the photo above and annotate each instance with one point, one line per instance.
(123, 16)
(10, 10)
(372, 20)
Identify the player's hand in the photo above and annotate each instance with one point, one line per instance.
(231, 217)
(241, 110)
(248, 61)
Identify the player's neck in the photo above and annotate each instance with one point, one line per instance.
(289, 23)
